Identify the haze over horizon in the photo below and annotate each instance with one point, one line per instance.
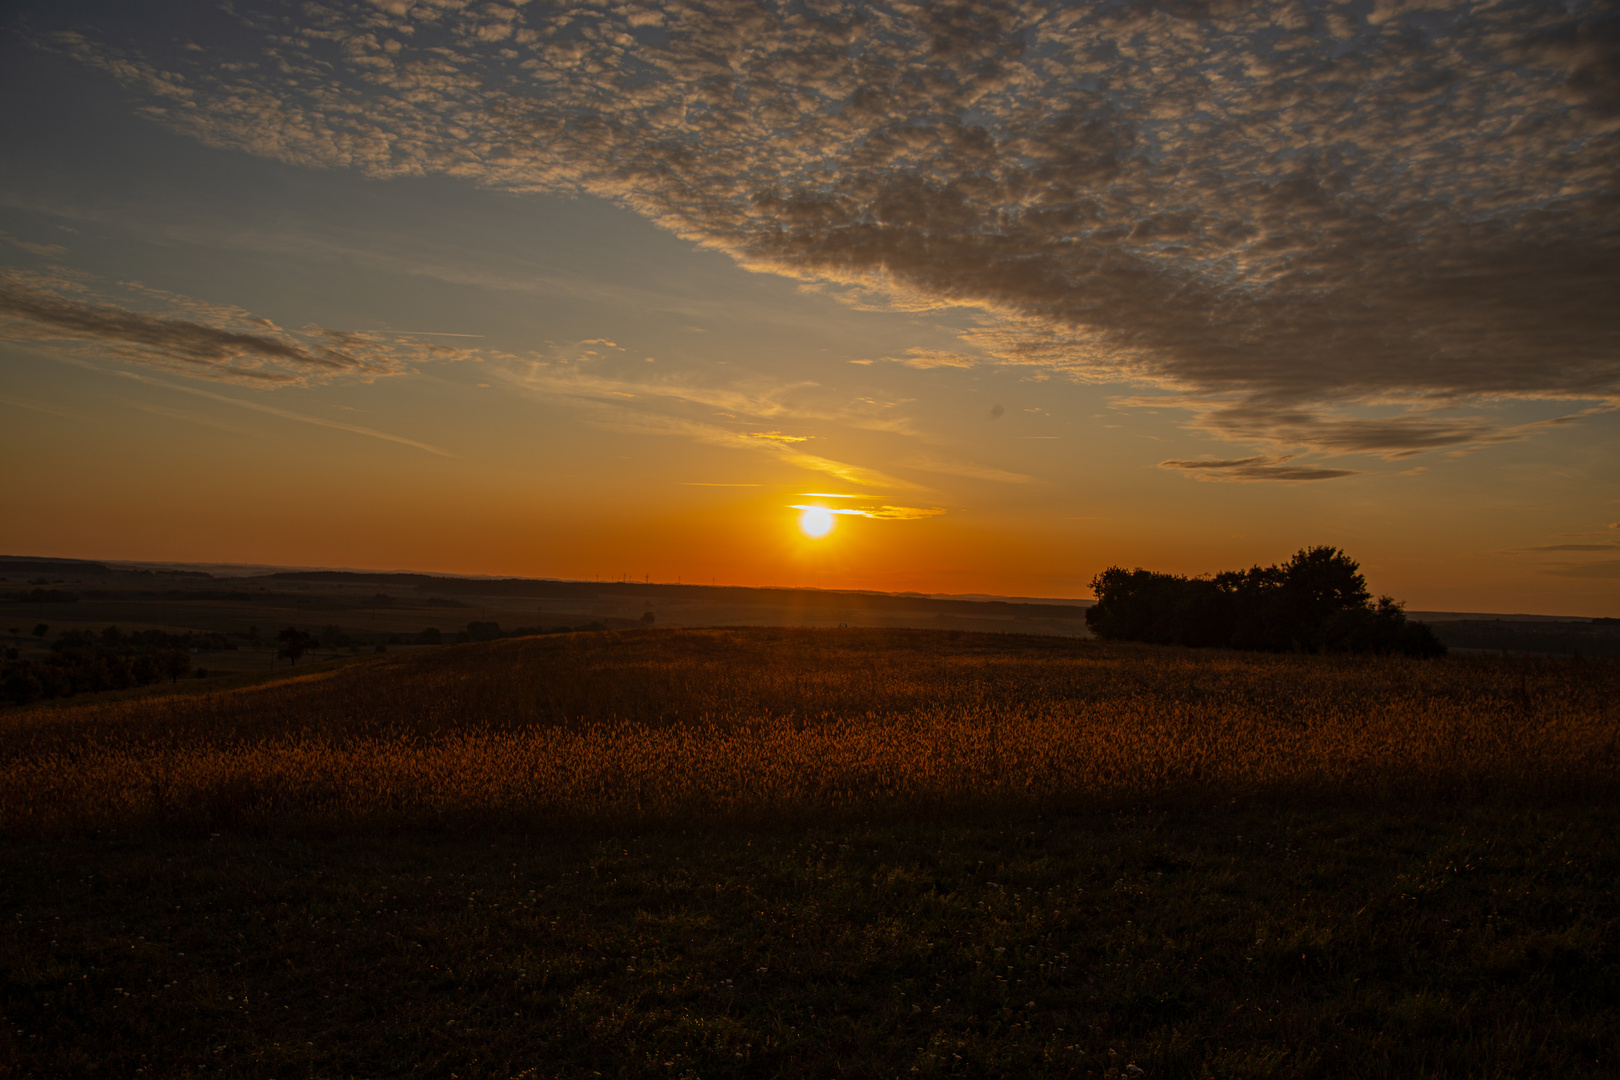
(1014, 292)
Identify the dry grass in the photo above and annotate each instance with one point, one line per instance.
(643, 727)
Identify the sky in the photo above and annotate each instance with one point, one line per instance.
(1017, 291)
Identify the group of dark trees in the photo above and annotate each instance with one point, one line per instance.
(1315, 602)
(44, 596)
(83, 662)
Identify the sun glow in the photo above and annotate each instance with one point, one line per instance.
(816, 521)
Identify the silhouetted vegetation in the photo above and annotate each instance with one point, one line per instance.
(294, 643)
(84, 662)
(1315, 602)
(1594, 638)
(44, 596)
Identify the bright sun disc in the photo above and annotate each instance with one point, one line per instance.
(816, 522)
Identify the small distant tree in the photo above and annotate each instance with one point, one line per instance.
(176, 664)
(144, 669)
(431, 636)
(294, 643)
(41, 629)
(648, 618)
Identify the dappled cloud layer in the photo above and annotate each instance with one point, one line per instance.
(1281, 211)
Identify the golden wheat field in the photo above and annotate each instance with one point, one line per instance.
(710, 725)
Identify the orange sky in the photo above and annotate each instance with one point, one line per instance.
(1047, 317)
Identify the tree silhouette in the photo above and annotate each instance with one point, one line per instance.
(175, 664)
(1315, 602)
(294, 643)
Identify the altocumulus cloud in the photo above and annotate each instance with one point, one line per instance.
(1287, 215)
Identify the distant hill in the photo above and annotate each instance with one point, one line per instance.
(521, 601)
(800, 601)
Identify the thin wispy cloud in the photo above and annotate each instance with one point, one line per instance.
(51, 251)
(1250, 469)
(1602, 570)
(190, 416)
(619, 417)
(923, 359)
(288, 414)
(158, 329)
(1610, 546)
(34, 406)
(678, 406)
(969, 469)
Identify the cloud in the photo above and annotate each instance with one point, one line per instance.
(1315, 223)
(52, 251)
(776, 436)
(633, 399)
(1610, 546)
(190, 337)
(190, 417)
(618, 417)
(19, 403)
(924, 359)
(1603, 570)
(1249, 469)
(288, 414)
(879, 513)
(563, 376)
(903, 513)
(971, 470)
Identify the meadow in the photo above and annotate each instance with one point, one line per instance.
(708, 726)
(820, 853)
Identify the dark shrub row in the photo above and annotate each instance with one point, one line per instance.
(1315, 602)
(83, 662)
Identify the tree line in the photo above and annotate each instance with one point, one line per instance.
(1317, 601)
(85, 662)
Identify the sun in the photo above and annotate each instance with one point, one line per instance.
(816, 521)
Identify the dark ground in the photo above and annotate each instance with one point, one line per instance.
(1385, 942)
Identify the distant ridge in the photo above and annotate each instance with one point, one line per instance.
(553, 589)
(486, 585)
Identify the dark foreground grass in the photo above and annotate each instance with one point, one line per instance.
(1376, 942)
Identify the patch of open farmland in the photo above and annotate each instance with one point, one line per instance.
(649, 727)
